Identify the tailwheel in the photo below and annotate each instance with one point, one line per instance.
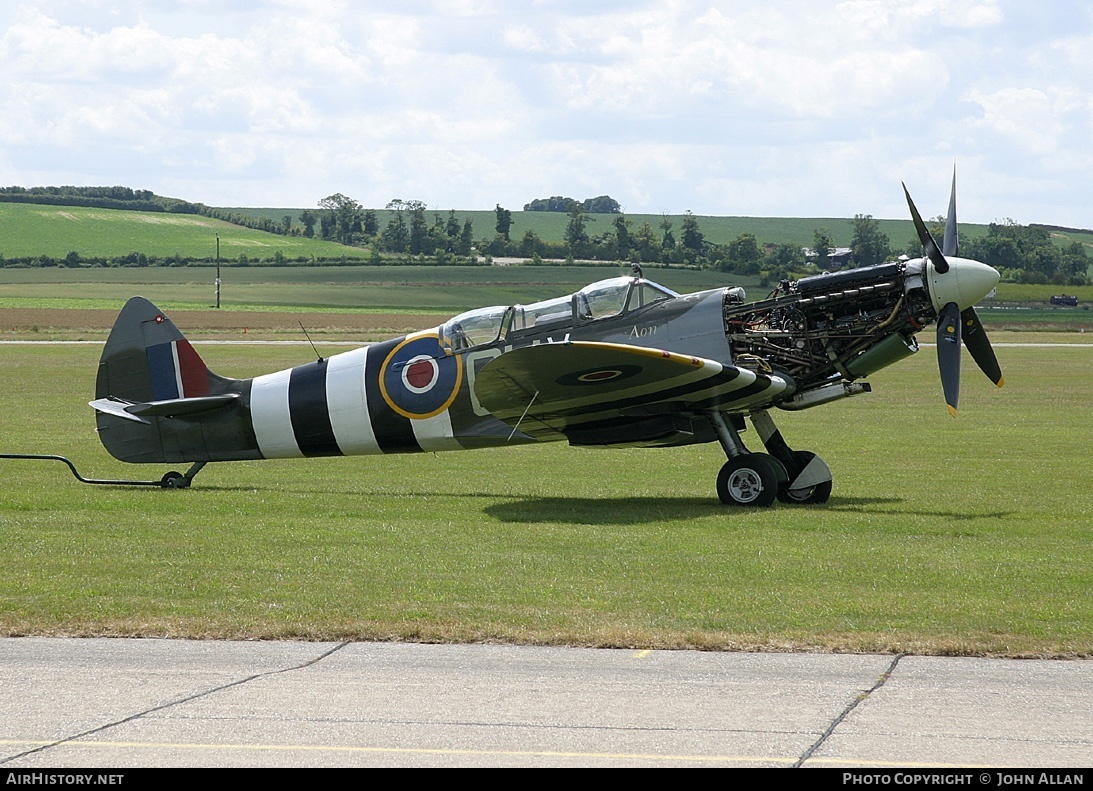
(174, 480)
(751, 479)
(810, 480)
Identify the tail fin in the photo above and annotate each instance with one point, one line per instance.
(157, 401)
(147, 358)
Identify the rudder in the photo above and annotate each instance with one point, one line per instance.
(157, 401)
(147, 358)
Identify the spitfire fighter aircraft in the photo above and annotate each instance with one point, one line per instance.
(623, 362)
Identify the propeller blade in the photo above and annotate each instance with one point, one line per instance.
(948, 353)
(941, 266)
(950, 242)
(975, 338)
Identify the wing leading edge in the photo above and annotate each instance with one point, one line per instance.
(614, 394)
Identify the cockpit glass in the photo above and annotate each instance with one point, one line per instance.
(603, 299)
(473, 328)
(599, 300)
(540, 314)
(646, 293)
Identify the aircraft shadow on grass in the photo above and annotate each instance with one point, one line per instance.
(625, 510)
(647, 510)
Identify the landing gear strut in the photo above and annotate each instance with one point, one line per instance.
(757, 479)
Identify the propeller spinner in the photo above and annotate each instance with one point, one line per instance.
(955, 284)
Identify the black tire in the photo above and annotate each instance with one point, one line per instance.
(814, 495)
(173, 480)
(748, 480)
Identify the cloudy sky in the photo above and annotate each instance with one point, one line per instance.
(772, 107)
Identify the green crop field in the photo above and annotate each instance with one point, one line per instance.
(942, 536)
(428, 289)
(33, 230)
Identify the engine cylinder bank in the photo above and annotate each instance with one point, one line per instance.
(835, 281)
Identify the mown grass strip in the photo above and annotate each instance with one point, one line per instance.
(967, 536)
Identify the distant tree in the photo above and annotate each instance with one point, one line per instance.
(668, 239)
(343, 215)
(1075, 264)
(530, 244)
(307, 219)
(1029, 254)
(466, 239)
(504, 221)
(286, 224)
(396, 236)
(438, 235)
(419, 228)
(786, 257)
(622, 237)
(452, 228)
(370, 224)
(691, 238)
(576, 233)
(553, 203)
(604, 204)
(869, 245)
(645, 239)
(823, 244)
(745, 257)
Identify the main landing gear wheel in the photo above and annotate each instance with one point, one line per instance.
(751, 479)
(818, 493)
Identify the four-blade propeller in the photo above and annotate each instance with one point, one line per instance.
(953, 283)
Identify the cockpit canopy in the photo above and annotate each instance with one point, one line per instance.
(600, 300)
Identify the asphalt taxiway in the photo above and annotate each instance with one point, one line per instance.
(163, 703)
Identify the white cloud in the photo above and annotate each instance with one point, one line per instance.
(722, 107)
(1026, 117)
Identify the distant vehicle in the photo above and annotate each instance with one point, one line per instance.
(1066, 300)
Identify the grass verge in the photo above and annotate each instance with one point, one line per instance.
(968, 536)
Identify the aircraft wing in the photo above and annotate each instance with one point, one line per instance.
(592, 393)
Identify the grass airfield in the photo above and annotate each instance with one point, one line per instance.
(971, 536)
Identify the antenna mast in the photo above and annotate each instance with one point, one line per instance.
(218, 271)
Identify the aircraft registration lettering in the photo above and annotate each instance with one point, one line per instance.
(642, 332)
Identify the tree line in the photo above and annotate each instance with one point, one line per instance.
(604, 204)
(1024, 254)
(1020, 253)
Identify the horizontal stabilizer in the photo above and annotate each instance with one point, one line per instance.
(171, 407)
